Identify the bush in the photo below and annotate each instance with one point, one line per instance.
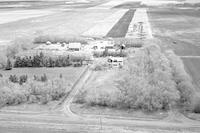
(23, 79)
(100, 65)
(109, 53)
(42, 78)
(13, 78)
(101, 97)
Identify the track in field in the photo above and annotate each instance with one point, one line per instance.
(121, 27)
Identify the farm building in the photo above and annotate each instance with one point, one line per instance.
(115, 61)
(74, 46)
(101, 45)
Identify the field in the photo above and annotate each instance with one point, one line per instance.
(69, 73)
(120, 28)
(53, 21)
(103, 27)
(10, 16)
(179, 29)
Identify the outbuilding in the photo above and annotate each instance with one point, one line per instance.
(116, 61)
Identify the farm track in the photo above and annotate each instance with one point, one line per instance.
(121, 27)
(67, 99)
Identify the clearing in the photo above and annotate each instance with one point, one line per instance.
(69, 73)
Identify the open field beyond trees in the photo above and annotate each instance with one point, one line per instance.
(179, 29)
(53, 24)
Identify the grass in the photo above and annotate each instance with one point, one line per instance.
(68, 73)
(121, 27)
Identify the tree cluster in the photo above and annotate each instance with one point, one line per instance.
(146, 82)
(109, 53)
(20, 80)
(42, 78)
(32, 91)
(42, 61)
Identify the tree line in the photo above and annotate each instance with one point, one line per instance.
(46, 61)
